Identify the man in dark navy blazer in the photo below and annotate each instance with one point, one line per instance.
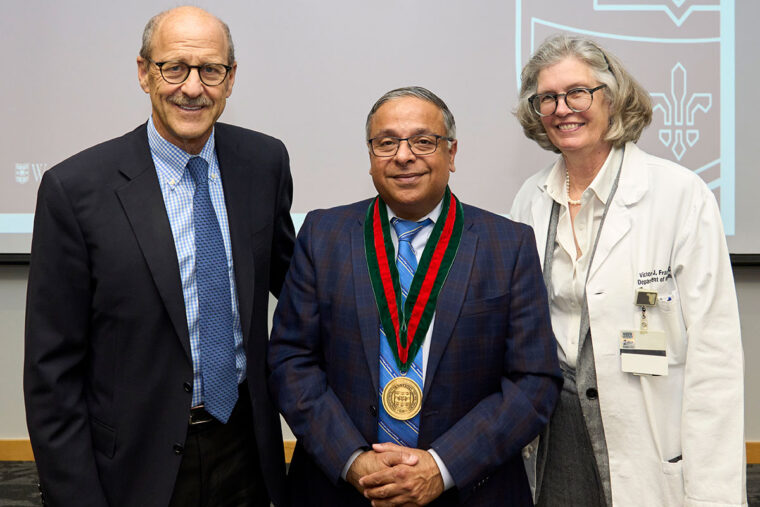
(490, 371)
(112, 379)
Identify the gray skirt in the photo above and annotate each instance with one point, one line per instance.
(570, 476)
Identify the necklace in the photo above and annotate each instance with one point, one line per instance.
(576, 202)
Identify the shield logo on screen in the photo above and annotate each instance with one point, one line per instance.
(674, 48)
(22, 173)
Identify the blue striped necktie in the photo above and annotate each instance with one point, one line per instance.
(217, 344)
(389, 429)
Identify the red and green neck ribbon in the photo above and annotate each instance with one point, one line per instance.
(406, 326)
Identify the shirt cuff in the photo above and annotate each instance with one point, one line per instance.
(350, 462)
(448, 480)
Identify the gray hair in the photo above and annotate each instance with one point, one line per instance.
(150, 28)
(630, 105)
(420, 93)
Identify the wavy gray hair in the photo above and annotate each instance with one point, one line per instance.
(629, 103)
(420, 93)
(150, 29)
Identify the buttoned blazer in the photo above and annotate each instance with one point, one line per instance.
(675, 439)
(107, 370)
(492, 374)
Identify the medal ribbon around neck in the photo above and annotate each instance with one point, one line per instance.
(409, 324)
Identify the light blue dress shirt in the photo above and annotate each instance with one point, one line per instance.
(419, 242)
(177, 188)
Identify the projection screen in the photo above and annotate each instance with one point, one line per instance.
(309, 72)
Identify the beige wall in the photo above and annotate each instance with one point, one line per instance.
(12, 299)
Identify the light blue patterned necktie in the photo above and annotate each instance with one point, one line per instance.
(403, 433)
(217, 344)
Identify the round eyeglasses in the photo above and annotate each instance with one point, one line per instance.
(210, 74)
(577, 100)
(423, 144)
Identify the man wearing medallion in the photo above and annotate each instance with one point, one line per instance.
(413, 292)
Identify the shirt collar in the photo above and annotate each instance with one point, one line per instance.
(600, 186)
(433, 215)
(173, 159)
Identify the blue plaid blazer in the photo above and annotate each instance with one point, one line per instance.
(492, 376)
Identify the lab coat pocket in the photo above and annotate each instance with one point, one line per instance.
(673, 326)
(673, 482)
(669, 468)
(666, 316)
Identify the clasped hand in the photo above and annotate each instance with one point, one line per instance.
(391, 475)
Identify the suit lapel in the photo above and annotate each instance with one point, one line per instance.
(144, 206)
(237, 198)
(366, 307)
(450, 302)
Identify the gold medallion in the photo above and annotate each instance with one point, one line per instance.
(402, 398)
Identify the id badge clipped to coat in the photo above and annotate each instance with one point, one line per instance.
(643, 352)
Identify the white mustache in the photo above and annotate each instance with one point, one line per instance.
(183, 101)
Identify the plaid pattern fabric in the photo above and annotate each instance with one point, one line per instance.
(492, 373)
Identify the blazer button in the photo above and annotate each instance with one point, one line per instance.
(592, 393)
(373, 410)
(187, 387)
(178, 449)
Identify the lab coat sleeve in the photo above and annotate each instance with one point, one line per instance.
(712, 432)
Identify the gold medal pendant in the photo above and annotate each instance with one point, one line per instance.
(402, 398)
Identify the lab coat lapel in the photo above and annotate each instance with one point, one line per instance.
(631, 189)
(541, 210)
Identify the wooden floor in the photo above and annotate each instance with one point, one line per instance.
(18, 484)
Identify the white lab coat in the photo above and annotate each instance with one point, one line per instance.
(663, 217)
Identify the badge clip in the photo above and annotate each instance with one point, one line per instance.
(646, 298)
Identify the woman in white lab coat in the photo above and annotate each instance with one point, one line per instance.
(642, 299)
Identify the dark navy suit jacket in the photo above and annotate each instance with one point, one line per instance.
(492, 374)
(107, 371)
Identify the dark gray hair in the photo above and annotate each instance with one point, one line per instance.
(150, 28)
(420, 93)
(630, 105)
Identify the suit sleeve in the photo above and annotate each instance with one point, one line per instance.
(283, 234)
(713, 391)
(298, 380)
(498, 427)
(56, 348)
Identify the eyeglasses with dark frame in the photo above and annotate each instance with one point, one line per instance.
(210, 74)
(577, 100)
(421, 144)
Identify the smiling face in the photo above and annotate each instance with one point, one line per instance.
(412, 185)
(574, 133)
(184, 114)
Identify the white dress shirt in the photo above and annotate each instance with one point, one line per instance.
(568, 269)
